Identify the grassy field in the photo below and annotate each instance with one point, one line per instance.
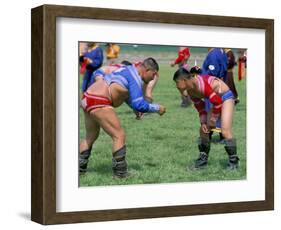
(161, 149)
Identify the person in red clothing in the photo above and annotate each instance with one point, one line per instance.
(83, 47)
(183, 56)
(242, 63)
(181, 61)
(212, 88)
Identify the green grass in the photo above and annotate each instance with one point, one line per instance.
(161, 149)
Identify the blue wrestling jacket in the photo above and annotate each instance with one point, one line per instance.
(215, 64)
(128, 78)
(96, 57)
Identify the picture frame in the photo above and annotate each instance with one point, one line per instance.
(43, 157)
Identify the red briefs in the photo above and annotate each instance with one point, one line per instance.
(91, 101)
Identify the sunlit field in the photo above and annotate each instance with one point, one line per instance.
(163, 149)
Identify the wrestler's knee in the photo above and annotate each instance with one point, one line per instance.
(226, 133)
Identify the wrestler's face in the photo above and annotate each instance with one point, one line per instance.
(149, 75)
(181, 85)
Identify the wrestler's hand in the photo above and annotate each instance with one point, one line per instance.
(162, 110)
(139, 115)
(204, 128)
(211, 124)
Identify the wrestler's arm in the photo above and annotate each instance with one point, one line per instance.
(149, 88)
(137, 101)
(95, 58)
(199, 104)
(86, 80)
(216, 100)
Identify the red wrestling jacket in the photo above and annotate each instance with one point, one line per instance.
(205, 88)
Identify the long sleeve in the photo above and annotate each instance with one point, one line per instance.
(136, 99)
(183, 54)
(128, 78)
(96, 57)
(86, 80)
(179, 59)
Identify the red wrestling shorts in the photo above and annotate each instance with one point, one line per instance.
(91, 101)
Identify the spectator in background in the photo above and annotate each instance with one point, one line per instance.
(215, 63)
(229, 79)
(181, 61)
(242, 63)
(112, 52)
(94, 59)
(83, 46)
(183, 56)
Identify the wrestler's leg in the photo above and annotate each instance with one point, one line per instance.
(226, 118)
(230, 142)
(110, 123)
(204, 147)
(108, 120)
(92, 132)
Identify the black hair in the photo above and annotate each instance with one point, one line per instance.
(150, 63)
(125, 62)
(196, 69)
(81, 59)
(182, 73)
